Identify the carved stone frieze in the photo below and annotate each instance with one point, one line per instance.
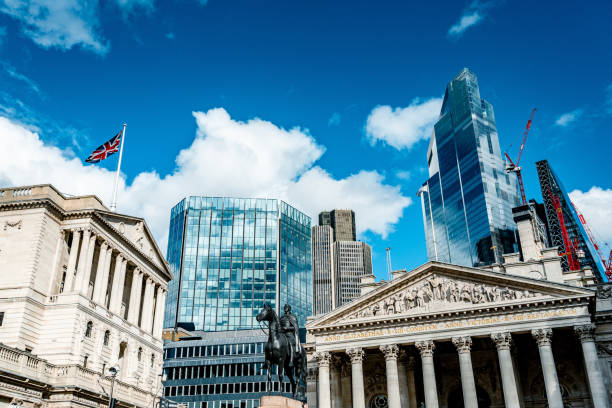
(439, 291)
(604, 291)
(12, 224)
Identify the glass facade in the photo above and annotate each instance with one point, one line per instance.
(467, 201)
(230, 255)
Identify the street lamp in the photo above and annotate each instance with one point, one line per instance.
(163, 377)
(113, 371)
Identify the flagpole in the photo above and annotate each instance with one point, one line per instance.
(113, 205)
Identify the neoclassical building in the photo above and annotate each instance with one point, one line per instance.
(82, 289)
(521, 334)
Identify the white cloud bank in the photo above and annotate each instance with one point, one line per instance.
(595, 206)
(568, 119)
(402, 128)
(227, 158)
(472, 15)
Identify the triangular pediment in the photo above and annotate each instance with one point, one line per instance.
(438, 288)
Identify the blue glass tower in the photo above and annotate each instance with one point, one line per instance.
(230, 255)
(467, 201)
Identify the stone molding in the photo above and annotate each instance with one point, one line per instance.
(585, 332)
(356, 355)
(323, 357)
(13, 224)
(462, 343)
(542, 336)
(391, 351)
(502, 340)
(425, 347)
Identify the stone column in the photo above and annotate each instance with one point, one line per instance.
(551, 381)
(468, 385)
(345, 379)
(599, 393)
(105, 276)
(91, 249)
(78, 281)
(502, 342)
(114, 304)
(426, 348)
(402, 378)
(72, 260)
(393, 390)
(159, 312)
(356, 355)
(135, 292)
(412, 396)
(336, 390)
(147, 306)
(324, 359)
(99, 272)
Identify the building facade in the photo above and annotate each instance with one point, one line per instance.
(353, 260)
(467, 200)
(82, 289)
(584, 249)
(217, 370)
(323, 264)
(342, 222)
(230, 255)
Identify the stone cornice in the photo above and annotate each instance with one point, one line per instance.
(485, 310)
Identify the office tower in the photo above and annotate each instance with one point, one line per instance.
(230, 255)
(342, 222)
(337, 264)
(467, 200)
(353, 259)
(584, 250)
(324, 287)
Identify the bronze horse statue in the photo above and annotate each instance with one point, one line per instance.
(278, 353)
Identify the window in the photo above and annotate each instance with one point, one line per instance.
(1, 318)
(88, 329)
(152, 360)
(139, 353)
(85, 360)
(106, 337)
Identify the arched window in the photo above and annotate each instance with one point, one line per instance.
(139, 353)
(88, 329)
(106, 337)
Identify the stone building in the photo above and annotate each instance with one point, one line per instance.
(82, 289)
(520, 334)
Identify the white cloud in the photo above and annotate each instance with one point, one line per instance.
(402, 128)
(569, 118)
(227, 158)
(334, 119)
(595, 206)
(13, 73)
(403, 175)
(471, 16)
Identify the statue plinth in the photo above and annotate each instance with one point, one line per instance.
(270, 401)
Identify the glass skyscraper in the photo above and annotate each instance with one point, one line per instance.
(230, 255)
(467, 201)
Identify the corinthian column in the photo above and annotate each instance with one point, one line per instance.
(426, 348)
(114, 305)
(105, 275)
(78, 282)
(324, 359)
(464, 344)
(91, 248)
(356, 356)
(99, 271)
(503, 342)
(551, 381)
(147, 307)
(599, 393)
(135, 292)
(72, 260)
(393, 390)
(159, 312)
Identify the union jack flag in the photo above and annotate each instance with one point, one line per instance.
(105, 150)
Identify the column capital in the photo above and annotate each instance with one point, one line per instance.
(425, 347)
(502, 340)
(391, 351)
(323, 357)
(542, 336)
(462, 343)
(585, 332)
(355, 354)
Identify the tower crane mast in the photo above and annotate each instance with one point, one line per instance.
(512, 167)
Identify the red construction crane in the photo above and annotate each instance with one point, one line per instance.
(570, 248)
(606, 261)
(511, 167)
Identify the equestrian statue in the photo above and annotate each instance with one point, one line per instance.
(284, 350)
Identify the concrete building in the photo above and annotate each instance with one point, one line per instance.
(82, 289)
(518, 334)
(337, 264)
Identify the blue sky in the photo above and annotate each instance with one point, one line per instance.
(345, 94)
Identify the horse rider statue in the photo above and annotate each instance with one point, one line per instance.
(289, 325)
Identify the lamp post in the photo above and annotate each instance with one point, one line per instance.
(163, 377)
(113, 371)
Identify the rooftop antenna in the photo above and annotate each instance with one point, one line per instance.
(388, 249)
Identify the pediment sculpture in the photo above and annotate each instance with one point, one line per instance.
(438, 291)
